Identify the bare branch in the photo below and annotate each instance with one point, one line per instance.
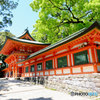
(85, 14)
(69, 9)
(69, 22)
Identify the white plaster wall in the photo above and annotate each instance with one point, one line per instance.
(76, 70)
(58, 72)
(66, 71)
(51, 72)
(88, 69)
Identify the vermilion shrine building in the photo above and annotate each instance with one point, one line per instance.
(78, 53)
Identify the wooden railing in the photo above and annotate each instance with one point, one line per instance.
(80, 69)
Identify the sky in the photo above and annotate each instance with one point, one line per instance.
(23, 17)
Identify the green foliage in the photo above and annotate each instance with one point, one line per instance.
(5, 12)
(3, 37)
(60, 18)
(53, 89)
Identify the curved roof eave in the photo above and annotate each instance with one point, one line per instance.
(65, 40)
(24, 41)
(28, 41)
(26, 32)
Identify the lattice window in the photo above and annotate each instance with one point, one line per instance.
(81, 58)
(39, 66)
(26, 69)
(32, 68)
(62, 62)
(49, 64)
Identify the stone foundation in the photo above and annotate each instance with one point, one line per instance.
(68, 83)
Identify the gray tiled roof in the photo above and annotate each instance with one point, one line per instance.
(65, 40)
(58, 43)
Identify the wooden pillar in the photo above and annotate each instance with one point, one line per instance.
(90, 55)
(24, 69)
(55, 63)
(16, 65)
(43, 68)
(16, 69)
(81, 70)
(29, 68)
(91, 51)
(70, 63)
(96, 56)
(9, 70)
(43, 65)
(35, 67)
(93, 54)
(95, 68)
(71, 59)
(13, 70)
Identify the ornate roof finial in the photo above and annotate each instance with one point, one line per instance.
(26, 29)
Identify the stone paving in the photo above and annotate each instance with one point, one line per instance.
(21, 90)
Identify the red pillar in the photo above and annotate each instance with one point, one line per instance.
(55, 63)
(16, 70)
(9, 70)
(95, 68)
(70, 63)
(35, 67)
(13, 70)
(29, 68)
(43, 68)
(93, 55)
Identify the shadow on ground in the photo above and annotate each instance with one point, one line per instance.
(5, 87)
(14, 99)
(41, 98)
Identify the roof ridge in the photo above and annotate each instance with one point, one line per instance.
(26, 31)
(67, 39)
(81, 30)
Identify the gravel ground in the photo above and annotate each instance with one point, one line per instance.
(21, 90)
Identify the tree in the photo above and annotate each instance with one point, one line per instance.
(3, 37)
(5, 12)
(2, 40)
(60, 18)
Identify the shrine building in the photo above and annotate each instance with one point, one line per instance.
(78, 53)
